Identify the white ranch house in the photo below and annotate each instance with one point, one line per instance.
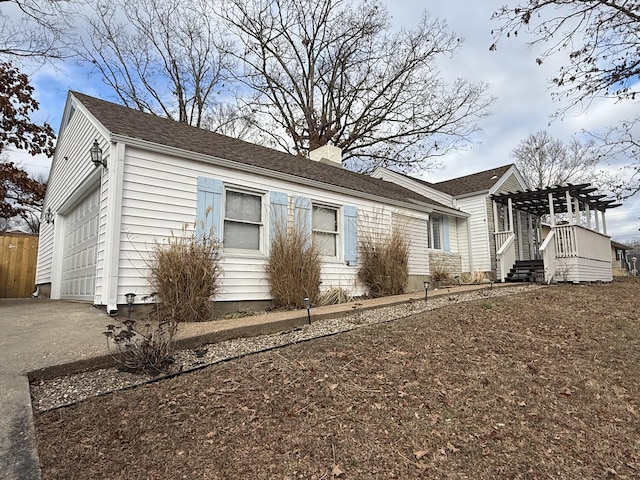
(157, 174)
(153, 175)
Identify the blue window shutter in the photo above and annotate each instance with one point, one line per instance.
(350, 235)
(278, 207)
(445, 234)
(209, 208)
(302, 214)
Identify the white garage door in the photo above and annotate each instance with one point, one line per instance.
(80, 249)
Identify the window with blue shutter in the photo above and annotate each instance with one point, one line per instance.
(350, 235)
(209, 208)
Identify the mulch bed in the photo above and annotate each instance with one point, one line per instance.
(544, 384)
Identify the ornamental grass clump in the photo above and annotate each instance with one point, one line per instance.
(293, 268)
(384, 263)
(185, 274)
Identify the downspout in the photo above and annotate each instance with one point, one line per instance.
(113, 228)
(471, 269)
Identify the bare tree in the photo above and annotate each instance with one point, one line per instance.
(160, 56)
(601, 40)
(546, 161)
(227, 119)
(622, 142)
(333, 71)
(33, 28)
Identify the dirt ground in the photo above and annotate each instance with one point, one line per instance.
(539, 385)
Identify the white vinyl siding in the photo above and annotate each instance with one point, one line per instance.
(413, 228)
(479, 226)
(160, 196)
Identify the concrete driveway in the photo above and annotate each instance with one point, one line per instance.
(36, 334)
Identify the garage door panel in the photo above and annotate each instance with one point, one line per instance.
(80, 249)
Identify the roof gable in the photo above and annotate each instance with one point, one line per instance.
(474, 183)
(123, 121)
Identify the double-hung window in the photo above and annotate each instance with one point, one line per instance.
(435, 233)
(324, 226)
(242, 220)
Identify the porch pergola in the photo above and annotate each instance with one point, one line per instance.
(577, 247)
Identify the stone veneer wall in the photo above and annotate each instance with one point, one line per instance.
(451, 262)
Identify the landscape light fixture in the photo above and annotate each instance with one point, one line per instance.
(307, 305)
(48, 216)
(96, 155)
(426, 289)
(130, 299)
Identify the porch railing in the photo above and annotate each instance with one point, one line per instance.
(501, 238)
(582, 248)
(506, 253)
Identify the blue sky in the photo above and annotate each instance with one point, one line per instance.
(523, 104)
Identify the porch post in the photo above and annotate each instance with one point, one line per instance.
(588, 213)
(572, 219)
(495, 216)
(577, 212)
(597, 221)
(604, 223)
(510, 204)
(552, 213)
(531, 240)
(519, 230)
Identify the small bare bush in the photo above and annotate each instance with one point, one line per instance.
(184, 275)
(385, 263)
(144, 347)
(439, 273)
(293, 268)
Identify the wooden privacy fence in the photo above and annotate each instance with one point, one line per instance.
(18, 256)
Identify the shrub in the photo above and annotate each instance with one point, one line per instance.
(184, 276)
(293, 268)
(384, 264)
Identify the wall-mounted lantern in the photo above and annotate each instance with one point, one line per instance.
(96, 155)
(49, 217)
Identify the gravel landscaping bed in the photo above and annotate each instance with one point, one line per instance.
(70, 389)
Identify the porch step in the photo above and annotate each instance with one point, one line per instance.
(526, 271)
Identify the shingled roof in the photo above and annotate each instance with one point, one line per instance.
(476, 182)
(126, 122)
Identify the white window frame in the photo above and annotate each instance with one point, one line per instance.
(430, 236)
(260, 224)
(337, 233)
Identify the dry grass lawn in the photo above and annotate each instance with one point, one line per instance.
(540, 385)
